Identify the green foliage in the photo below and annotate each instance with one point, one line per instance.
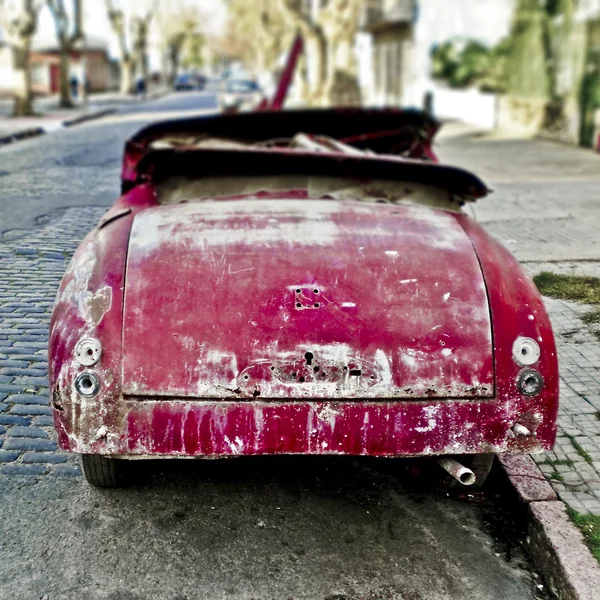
(572, 287)
(465, 63)
(590, 527)
(192, 50)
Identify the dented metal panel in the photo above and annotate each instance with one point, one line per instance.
(232, 423)
(298, 320)
(308, 299)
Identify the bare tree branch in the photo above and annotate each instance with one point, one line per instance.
(62, 22)
(117, 22)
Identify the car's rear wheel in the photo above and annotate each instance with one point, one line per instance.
(101, 471)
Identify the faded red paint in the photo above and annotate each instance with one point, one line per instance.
(393, 292)
(205, 336)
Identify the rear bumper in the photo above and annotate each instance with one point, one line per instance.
(172, 428)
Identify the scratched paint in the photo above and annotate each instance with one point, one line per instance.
(291, 323)
(240, 293)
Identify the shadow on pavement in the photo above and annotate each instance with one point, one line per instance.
(281, 527)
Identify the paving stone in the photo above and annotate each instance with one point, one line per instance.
(21, 469)
(29, 444)
(54, 255)
(6, 456)
(36, 339)
(32, 381)
(13, 420)
(14, 363)
(30, 410)
(45, 457)
(6, 388)
(20, 350)
(44, 421)
(27, 432)
(28, 399)
(19, 372)
(66, 471)
(37, 360)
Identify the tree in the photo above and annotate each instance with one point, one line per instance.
(193, 45)
(19, 21)
(131, 29)
(528, 75)
(68, 33)
(465, 63)
(329, 29)
(180, 27)
(547, 58)
(257, 33)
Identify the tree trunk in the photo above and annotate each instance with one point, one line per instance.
(127, 73)
(65, 92)
(143, 63)
(23, 105)
(173, 63)
(317, 67)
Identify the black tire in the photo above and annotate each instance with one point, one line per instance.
(101, 471)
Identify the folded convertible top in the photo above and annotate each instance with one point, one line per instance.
(389, 144)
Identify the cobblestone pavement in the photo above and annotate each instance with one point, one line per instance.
(545, 210)
(51, 115)
(31, 270)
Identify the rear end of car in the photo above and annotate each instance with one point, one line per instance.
(259, 301)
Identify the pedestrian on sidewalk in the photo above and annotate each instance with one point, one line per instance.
(140, 88)
(74, 83)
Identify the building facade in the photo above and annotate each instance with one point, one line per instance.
(89, 60)
(390, 24)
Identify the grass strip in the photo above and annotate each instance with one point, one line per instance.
(590, 527)
(572, 287)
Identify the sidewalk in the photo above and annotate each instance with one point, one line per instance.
(546, 209)
(52, 117)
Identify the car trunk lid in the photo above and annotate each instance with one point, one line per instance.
(304, 298)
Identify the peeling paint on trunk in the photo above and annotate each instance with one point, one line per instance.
(362, 293)
(293, 323)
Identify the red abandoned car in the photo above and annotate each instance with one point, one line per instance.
(298, 282)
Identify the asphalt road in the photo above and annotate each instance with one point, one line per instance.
(263, 528)
(78, 166)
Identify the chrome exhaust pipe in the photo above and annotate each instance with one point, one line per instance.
(461, 473)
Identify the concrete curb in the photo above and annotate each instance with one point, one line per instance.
(554, 543)
(89, 117)
(37, 131)
(21, 135)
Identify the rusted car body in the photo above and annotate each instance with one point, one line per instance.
(299, 282)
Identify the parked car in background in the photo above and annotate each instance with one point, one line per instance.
(238, 94)
(189, 82)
